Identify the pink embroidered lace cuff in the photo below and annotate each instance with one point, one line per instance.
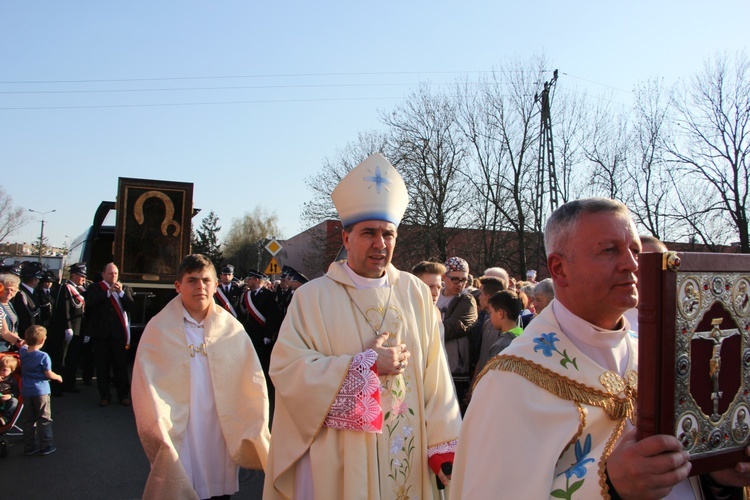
(449, 447)
(357, 406)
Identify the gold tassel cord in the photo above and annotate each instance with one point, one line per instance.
(567, 388)
(607, 452)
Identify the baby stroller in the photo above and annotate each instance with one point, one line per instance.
(10, 428)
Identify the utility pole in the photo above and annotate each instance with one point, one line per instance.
(546, 174)
(546, 165)
(41, 234)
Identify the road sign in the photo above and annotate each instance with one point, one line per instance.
(273, 248)
(273, 267)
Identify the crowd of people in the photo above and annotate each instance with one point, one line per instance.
(389, 384)
(59, 329)
(477, 320)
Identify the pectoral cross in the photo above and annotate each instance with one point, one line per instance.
(717, 335)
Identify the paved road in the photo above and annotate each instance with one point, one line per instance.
(98, 456)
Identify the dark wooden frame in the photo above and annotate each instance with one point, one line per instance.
(149, 243)
(665, 370)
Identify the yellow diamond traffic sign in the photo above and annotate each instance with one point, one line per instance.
(273, 248)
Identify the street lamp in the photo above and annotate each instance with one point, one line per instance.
(41, 235)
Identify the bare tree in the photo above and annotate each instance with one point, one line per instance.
(606, 148)
(489, 208)
(500, 121)
(699, 219)
(11, 218)
(428, 150)
(651, 190)
(570, 116)
(714, 143)
(243, 245)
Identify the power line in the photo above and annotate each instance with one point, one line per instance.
(597, 83)
(598, 98)
(255, 87)
(269, 101)
(280, 75)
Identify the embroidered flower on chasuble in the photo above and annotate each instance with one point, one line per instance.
(399, 425)
(357, 406)
(399, 407)
(577, 469)
(546, 343)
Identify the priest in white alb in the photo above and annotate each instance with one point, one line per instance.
(365, 406)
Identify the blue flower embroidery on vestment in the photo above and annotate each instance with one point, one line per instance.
(546, 343)
(578, 469)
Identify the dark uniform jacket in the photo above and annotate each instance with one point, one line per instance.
(46, 301)
(103, 322)
(69, 308)
(27, 309)
(234, 295)
(264, 301)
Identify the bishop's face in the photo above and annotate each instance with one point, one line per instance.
(370, 246)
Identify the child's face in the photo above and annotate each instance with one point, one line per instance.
(5, 372)
(496, 318)
(196, 290)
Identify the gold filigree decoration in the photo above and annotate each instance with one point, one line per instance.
(615, 384)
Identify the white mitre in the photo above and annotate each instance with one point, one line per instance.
(373, 190)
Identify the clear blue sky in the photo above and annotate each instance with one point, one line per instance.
(328, 69)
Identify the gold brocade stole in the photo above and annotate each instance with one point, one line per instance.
(617, 408)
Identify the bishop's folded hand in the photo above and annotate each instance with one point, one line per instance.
(391, 360)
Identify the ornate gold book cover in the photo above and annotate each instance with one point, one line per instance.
(694, 354)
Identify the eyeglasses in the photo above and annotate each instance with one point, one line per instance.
(457, 281)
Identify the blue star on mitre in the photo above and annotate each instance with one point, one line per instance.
(379, 179)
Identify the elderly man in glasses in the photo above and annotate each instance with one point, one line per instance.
(459, 310)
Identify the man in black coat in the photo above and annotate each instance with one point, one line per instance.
(291, 279)
(45, 294)
(108, 303)
(228, 292)
(25, 302)
(261, 317)
(67, 325)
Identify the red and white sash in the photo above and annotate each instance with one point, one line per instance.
(78, 300)
(254, 312)
(115, 300)
(224, 301)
